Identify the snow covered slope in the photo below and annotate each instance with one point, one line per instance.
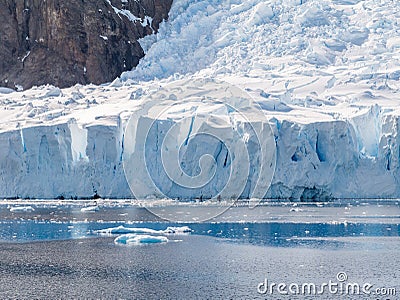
(325, 73)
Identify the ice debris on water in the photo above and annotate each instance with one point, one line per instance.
(22, 209)
(137, 230)
(137, 236)
(93, 208)
(135, 239)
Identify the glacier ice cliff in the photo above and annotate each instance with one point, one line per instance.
(317, 160)
(325, 74)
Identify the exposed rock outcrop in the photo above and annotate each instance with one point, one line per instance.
(76, 41)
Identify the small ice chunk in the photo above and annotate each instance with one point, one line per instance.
(296, 209)
(313, 17)
(262, 14)
(54, 92)
(4, 90)
(22, 209)
(90, 208)
(178, 230)
(393, 43)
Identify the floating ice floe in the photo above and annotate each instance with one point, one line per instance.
(137, 236)
(178, 230)
(136, 239)
(22, 209)
(126, 230)
(90, 209)
(134, 230)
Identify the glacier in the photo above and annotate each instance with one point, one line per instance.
(325, 75)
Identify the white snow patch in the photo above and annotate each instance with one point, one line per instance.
(146, 21)
(26, 56)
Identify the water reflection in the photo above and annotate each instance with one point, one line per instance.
(271, 234)
(277, 225)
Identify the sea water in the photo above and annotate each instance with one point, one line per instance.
(58, 250)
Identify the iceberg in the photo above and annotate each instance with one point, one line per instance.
(147, 231)
(126, 230)
(178, 230)
(134, 239)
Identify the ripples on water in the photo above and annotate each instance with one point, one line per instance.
(273, 224)
(53, 250)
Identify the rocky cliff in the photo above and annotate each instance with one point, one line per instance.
(77, 41)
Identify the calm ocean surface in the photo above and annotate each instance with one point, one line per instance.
(54, 252)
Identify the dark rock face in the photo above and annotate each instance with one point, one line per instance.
(63, 42)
